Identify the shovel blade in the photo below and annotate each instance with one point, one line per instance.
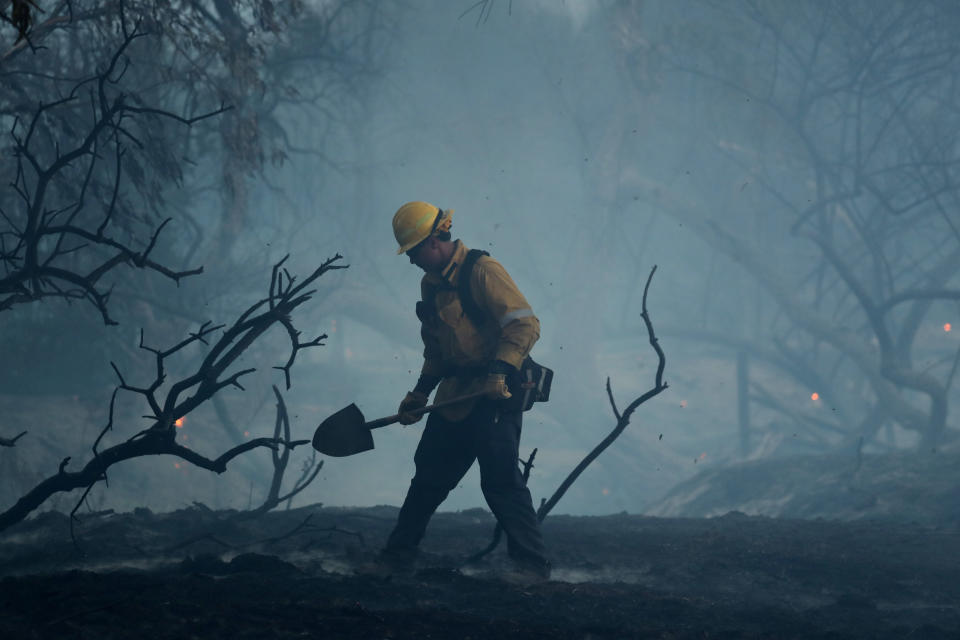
(343, 434)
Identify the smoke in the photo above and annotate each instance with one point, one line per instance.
(576, 11)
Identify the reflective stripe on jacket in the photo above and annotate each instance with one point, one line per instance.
(452, 342)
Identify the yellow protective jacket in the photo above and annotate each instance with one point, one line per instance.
(452, 344)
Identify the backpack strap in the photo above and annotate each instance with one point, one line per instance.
(427, 308)
(465, 292)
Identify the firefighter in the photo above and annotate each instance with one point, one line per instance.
(476, 334)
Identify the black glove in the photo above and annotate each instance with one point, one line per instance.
(411, 402)
(501, 367)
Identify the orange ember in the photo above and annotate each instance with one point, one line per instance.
(179, 423)
(814, 396)
(946, 327)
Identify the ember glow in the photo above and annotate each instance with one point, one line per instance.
(605, 492)
(946, 327)
(179, 423)
(814, 396)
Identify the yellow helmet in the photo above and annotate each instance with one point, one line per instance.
(416, 221)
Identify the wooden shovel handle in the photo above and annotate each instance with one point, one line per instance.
(382, 422)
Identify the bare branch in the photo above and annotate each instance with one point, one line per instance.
(12, 442)
(623, 420)
(159, 438)
(613, 403)
(34, 277)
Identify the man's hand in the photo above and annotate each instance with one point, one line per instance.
(411, 402)
(495, 387)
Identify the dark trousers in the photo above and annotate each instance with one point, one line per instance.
(445, 453)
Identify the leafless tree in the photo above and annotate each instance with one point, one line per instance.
(56, 239)
(622, 421)
(281, 433)
(40, 235)
(66, 224)
(265, 60)
(843, 119)
(189, 392)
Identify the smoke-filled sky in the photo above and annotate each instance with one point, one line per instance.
(500, 121)
(781, 169)
(550, 128)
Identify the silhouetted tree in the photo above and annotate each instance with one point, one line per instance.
(68, 221)
(843, 119)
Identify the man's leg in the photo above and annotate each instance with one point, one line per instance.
(504, 489)
(443, 456)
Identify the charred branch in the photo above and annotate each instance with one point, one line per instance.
(797, 311)
(919, 294)
(21, 17)
(622, 419)
(31, 251)
(210, 377)
(280, 460)
(880, 182)
(12, 442)
(891, 367)
(311, 469)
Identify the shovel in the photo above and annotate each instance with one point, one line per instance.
(346, 432)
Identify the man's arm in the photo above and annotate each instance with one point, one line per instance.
(496, 292)
(432, 371)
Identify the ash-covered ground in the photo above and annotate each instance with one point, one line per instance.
(306, 573)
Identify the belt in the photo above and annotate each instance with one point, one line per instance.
(466, 372)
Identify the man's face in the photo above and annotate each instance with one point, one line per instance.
(428, 255)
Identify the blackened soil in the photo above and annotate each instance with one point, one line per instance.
(309, 572)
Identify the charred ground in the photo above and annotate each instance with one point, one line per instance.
(203, 573)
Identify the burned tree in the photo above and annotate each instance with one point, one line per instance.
(271, 64)
(277, 65)
(311, 468)
(54, 242)
(211, 376)
(39, 237)
(838, 137)
(622, 421)
(70, 222)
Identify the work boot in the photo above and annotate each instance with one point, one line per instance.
(391, 562)
(529, 572)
